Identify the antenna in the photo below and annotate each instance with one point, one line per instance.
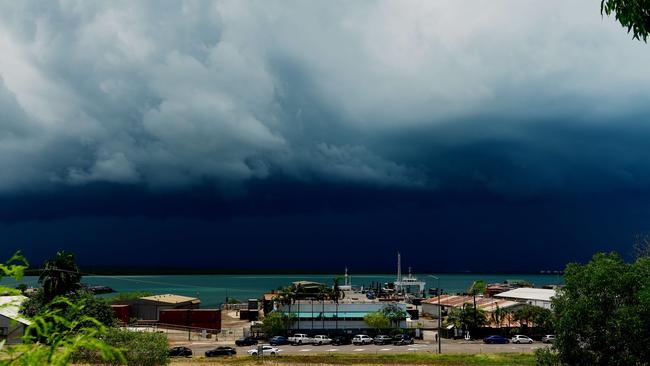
(399, 267)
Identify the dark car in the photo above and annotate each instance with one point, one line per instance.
(402, 339)
(495, 339)
(383, 339)
(221, 351)
(180, 352)
(246, 341)
(340, 340)
(278, 340)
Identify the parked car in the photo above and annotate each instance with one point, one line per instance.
(382, 339)
(495, 339)
(521, 339)
(300, 339)
(549, 338)
(361, 339)
(402, 339)
(180, 352)
(340, 340)
(321, 339)
(266, 351)
(221, 351)
(279, 340)
(246, 341)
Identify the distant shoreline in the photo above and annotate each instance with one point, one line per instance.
(132, 271)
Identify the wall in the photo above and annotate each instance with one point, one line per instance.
(12, 331)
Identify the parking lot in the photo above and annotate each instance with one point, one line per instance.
(448, 346)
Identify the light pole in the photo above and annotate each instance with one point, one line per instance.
(439, 315)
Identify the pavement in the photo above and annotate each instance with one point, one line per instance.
(448, 346)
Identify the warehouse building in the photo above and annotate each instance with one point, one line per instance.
(430, 306)
(532, 296)
(12, 324)
(148, 308)
(312, 315)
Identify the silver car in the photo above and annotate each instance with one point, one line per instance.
(521, 339)
(549, 338)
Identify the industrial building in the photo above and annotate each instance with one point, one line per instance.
(329, 315)
(12, 324)
(149, 307)
(532, 296)
(430, 306)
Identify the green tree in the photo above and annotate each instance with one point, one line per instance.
(394, 313)
(60, 275)
(466, 317)
(632, 14)
(90, 305)
(602, 314)
(478, 288)
(276, 322)
(377, 320)
(53, 339)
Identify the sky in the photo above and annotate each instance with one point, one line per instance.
(308, 135)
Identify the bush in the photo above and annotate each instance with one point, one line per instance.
(142, 349)
(546, 357)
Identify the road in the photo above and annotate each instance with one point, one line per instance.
(448, 346)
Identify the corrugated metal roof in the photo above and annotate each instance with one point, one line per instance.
(10, 308)
(483, 303)
(171, 299)
(528, 293)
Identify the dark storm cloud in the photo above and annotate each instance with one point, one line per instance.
(171, 95)
(433, 124)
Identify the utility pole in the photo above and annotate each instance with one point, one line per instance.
(439, 315)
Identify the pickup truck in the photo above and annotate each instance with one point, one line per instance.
(322, 339)
(300, 339)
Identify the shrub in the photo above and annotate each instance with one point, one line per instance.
(546, 357)
(140, 348)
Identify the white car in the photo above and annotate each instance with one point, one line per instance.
(266, 351)
(361, 339)
(321, 339)
(521, 339)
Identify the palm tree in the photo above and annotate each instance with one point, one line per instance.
(60, 275)
(478, 287)
(337, 294)
(286, 296)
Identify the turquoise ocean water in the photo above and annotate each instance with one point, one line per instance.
(213, 289)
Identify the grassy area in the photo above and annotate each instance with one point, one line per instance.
(483, 359)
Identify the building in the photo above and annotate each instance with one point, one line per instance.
(430, 306)
(532, 296)
(311, 315)
(209, 319)
(149, 307)
(12, 324)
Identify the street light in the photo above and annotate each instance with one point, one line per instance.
(439, 315)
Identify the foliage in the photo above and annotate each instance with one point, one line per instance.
(89, 305)
(632, 14)
(527, 314)
(603, 312)
(377, 320)
(54, 339)
(60, 275)
(139, 348)
(276, 322)
(51, 338)
(125, 296)
(464, 317)
(14, 268)
(546, 356)
(394, 313)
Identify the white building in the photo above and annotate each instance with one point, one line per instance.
(329, 315)
(533, 296)
(12, 324)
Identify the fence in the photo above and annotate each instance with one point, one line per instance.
(179, 333)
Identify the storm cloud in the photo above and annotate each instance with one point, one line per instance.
(173, 94)
(221, 109)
